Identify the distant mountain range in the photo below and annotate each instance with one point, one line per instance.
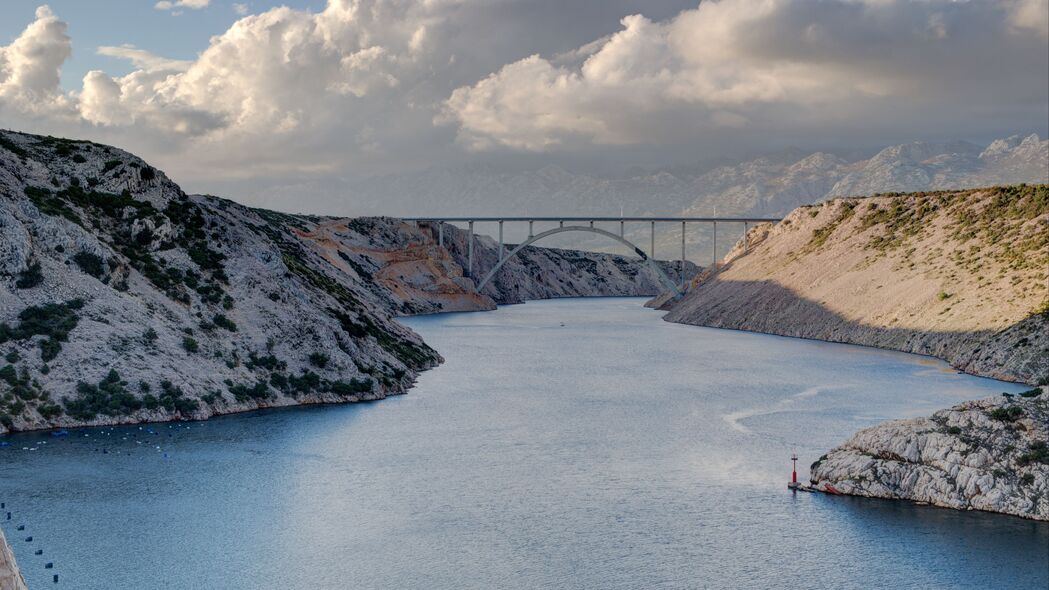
(771, 185)
(767, 186)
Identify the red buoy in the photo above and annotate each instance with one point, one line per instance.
(794, 473)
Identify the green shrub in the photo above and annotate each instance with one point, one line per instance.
(30, 277)
(190, 344)
(12, 357)
(109, 397)
(942, 295)
(319, 359)
(90, 263)
(268, 362)
(79, 159)
(12, 147)
(1031, 392)
(111, 164)
(54, 320)
(1027, 479)
(1010, 414)
(224, 322)
(1037, 452)
(244, 392)
(954, 430)
(49, 411)
(353, 386)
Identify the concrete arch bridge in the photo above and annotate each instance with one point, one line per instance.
(586, 224)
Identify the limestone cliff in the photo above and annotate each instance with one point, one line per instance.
(961, 275)
(10, 578)
(123, 299)
(990, 454)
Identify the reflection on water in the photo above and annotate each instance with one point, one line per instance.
(615, 451)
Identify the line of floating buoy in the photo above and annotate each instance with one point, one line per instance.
(50, 565)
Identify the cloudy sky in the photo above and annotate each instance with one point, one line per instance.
(226, 95)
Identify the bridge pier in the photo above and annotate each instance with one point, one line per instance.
(652, 247)
(744, 237)
(470, 251)
(500, 239)
(714, 264)
(531, 234)
(440, 234)
(682, 252)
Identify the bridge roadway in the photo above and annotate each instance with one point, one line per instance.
(590, 221)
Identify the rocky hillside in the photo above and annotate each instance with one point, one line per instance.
(961, 275)
(10, 578)
(122, 299)
(990, 454)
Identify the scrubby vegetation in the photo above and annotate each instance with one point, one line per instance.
(1007, 414)
(1037, 452)
(90, 263)
(109, 397)
(30, 277)
(53, 320)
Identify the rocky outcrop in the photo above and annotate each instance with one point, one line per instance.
(10, 578)
(990, 454)
(124, 300)
(957, 275)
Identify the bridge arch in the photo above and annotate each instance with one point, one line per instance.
(667, 281)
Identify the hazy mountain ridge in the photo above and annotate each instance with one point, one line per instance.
(766, 186)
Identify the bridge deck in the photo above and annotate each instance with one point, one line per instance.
(589, 219)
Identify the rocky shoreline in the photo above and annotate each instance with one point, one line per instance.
(10, 578)
(990, 454)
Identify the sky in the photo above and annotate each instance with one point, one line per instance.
(227, 95)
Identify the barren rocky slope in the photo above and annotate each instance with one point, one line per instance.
(122, 299)
(10, 578)
(961, 275)
(990, 454)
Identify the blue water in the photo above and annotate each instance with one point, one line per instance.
(564, 444)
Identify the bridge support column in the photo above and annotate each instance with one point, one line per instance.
(682, 251)
(531, 234)
(440, 234)
(652, 247)
(714, 264)
(622, 232)
(745, 237)
(500, 239)
(591, 223)
(470, 251)
(561, 224)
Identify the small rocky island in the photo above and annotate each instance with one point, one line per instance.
(990, 454)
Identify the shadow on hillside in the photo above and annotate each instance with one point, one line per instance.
(1017, 353)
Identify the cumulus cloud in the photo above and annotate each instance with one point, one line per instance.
(172, 5)
(314, 78)
(143, 59)
(30, 66)
(356, 88)
(241, 9)
(764, 64)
